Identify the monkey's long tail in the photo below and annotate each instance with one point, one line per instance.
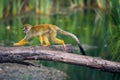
(82, 50)
(73, 36)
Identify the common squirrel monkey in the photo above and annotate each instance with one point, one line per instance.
(43, 31)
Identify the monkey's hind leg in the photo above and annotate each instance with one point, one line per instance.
(22, 42)
(58, 41)
(53, 34)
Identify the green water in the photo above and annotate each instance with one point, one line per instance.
(93, 28)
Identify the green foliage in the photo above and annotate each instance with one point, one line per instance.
(1, 8)
(115, 30)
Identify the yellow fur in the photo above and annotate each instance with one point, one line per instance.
(43, 31)
(22, 42)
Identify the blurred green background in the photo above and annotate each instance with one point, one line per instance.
(95, 22)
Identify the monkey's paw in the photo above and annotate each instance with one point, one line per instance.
(16, 44)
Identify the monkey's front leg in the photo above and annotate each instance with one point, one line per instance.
(20, 43)
(47, 43)
(40, 39)
(45, 39)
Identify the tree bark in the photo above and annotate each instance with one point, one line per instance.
(16, 54)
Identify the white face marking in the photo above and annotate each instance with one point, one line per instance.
(25, 30)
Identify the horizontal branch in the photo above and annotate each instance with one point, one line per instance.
(12, 54)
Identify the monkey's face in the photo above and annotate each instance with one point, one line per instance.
(26, 28)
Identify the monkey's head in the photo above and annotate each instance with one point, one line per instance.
(26, 27)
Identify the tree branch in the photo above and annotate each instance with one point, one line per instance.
(14, 54)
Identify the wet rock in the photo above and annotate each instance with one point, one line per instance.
(21, 72)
